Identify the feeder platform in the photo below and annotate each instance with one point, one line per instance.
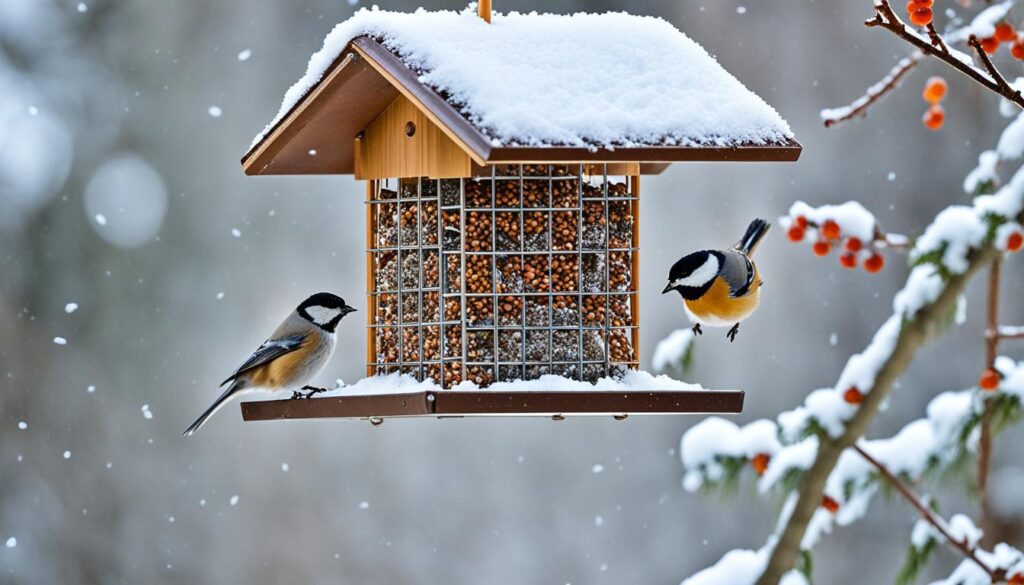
(458, 404)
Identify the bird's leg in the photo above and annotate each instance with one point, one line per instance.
(697, 330)
(310, 391)
(732, 332)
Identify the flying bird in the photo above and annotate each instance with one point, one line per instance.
(720, 287)
(295, 352)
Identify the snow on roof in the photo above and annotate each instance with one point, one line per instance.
(582, 80)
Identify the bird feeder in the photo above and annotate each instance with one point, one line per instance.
(502, 233)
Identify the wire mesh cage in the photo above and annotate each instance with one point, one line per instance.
(518, 272)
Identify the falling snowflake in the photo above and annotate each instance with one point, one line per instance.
(244, 55)
(60, 341)
(70, 308)
(215, 111)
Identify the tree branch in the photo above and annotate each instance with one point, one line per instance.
(929, 515)
(915, 333)
(985, 424)
(874, 93)
(991, 79)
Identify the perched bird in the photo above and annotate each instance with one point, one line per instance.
(720, 287)
(296, 352)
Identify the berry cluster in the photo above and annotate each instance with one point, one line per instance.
(830, 235)
(920, 12)
(1004, 33)
(934, 91)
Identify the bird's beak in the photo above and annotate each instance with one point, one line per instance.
(667, 288)
(347, 309)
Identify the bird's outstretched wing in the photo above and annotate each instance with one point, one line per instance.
(270, 350)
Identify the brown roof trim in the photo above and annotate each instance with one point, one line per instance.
(455, 403)
(667, 154)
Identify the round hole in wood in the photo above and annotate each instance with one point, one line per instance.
(410, 129)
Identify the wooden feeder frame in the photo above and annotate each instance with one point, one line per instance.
(367, 93)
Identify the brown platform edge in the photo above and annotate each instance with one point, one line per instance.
(488, 403)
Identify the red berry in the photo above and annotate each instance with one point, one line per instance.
(853, 395)
(934, 90)
(848, 260)
(853, 244)
(795, 233)
(800, 221)
(1015, 242)
(990, 45)
(829, 504)
(760, 462)
(989, 380)
(1016, 579)
(830, 229)
(934, 117)
(1005, 32)
(1017, 50)
(921, 17)
(875, 263)
(821, 248)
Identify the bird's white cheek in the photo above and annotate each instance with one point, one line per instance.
(322, 315)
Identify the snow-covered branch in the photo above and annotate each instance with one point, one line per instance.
(982, 26)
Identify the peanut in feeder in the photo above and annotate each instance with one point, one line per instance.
(503, 193)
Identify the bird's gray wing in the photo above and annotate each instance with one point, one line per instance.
(270, 350)
(738, 272)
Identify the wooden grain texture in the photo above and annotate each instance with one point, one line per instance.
(403, 142)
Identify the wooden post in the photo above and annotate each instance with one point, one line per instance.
(635, 277)
(371, 281)
(483, 8)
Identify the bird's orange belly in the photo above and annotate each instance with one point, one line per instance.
(280, 372)
(717, 309)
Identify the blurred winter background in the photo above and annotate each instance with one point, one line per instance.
(121, 128)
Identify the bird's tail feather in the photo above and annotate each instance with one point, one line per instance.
(228, 394)
(755, 232)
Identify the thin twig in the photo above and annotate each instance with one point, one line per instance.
(991, 79)
(936, 39)
(1006, 332)
(930, 516)
(874, 93)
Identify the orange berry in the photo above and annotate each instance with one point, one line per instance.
(1005, 32)
(915, 5)
(829, 504)
(934, 117)
(1016, 579)
(800, 221)
(830, 229)
(1015, 242)
(853, 244)
(921, 17)
(934, 90)
(875, 263)
(989, 380)
(795, 233)
(848, 260)
(990, 45)
(760, 462)
(821, 248)
(853, 395)
(1017, 50)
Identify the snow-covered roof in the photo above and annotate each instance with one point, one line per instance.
(582, 80)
